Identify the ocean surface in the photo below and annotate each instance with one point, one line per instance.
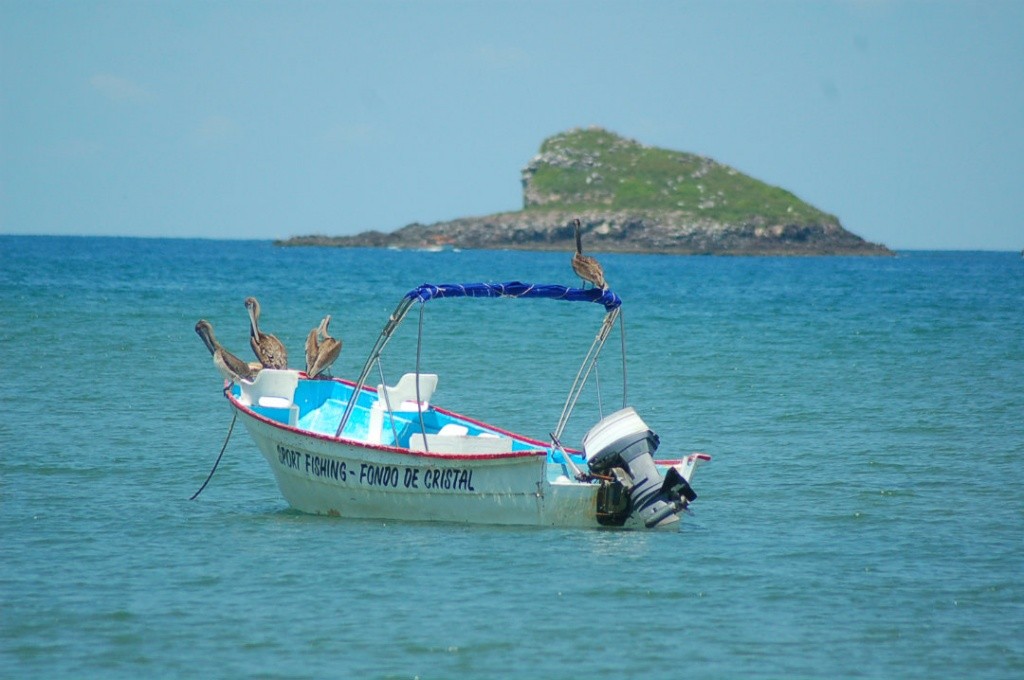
(863, 514)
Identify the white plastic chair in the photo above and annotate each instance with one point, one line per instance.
(402, 397)
(273, 388)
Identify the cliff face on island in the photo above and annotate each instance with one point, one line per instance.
(632, 198)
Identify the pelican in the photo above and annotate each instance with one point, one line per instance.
(269, 350)
(313, 344)
(230, 366)
(327, 350)
(586, 267)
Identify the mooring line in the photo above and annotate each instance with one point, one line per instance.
(231, 427)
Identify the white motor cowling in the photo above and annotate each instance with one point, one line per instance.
(621, 447)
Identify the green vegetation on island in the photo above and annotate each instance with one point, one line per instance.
(584, 169)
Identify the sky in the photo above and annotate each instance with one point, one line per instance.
(263, 120)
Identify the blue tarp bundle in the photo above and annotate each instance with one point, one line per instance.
(515, 289)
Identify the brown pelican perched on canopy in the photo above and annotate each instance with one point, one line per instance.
(324, 351)
(586, 267)
(230, 366)
(268, 349)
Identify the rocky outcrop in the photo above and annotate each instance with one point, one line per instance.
(622, 232)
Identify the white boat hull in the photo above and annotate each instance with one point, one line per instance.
(333, 477)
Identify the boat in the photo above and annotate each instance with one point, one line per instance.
(345, 448)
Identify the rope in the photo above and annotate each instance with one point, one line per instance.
(231, 427)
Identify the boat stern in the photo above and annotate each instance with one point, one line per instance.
(634, 488)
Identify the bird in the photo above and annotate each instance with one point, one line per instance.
(230, 366)
(586, 267)
(268, 349)
(313, 344)
(327, 350)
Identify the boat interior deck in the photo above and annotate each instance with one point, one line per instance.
(388, 416)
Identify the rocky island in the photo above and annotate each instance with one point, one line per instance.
(632, 198)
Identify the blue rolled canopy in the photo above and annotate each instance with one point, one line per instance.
(515, 289)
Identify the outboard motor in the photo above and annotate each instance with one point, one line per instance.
(619, 449)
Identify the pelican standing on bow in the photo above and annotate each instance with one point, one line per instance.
(230, 366)
(586, 267)
(324, 351)
(313, 344)
(268, 349)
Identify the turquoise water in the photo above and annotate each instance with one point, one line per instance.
(862, 515)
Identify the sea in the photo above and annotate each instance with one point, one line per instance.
(862, 515)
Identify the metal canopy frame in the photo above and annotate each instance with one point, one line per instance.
(422, 294)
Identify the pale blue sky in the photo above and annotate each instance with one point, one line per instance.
(270, 119)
